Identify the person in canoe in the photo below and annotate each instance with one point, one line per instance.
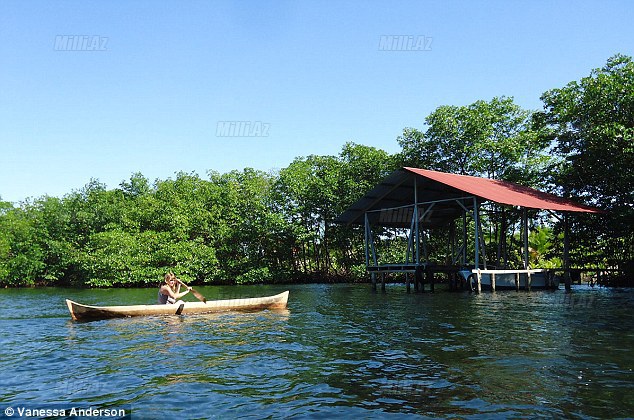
(169, 291)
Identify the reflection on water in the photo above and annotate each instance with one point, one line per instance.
(337, 351)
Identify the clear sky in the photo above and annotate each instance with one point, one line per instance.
(103, 89)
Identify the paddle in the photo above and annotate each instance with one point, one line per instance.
(194, 292)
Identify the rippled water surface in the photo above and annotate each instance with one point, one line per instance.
(339, 351)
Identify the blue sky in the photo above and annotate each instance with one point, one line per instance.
(148, 89)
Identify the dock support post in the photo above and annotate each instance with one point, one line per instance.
(478, 282)
(476, 219)
(528, 281)
(430, 277)
(464, 237)
(492, 282)
(409, 288)
(416, 224)
(501, 253)
(567, 281)
(418, 279)
(373, 274)
(383, 282)
(567, 276)
(517, 282)
(525, 236)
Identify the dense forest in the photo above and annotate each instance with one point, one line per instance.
(250, 226)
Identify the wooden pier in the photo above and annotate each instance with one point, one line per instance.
(418, 274)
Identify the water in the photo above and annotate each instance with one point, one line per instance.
(339, 351)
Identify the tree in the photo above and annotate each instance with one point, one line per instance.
(311, 192)
(22, 258)
(592, 124)
(362, 168)
(251, 249)
(305, 195)
(494, 139)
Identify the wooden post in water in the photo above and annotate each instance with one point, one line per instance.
(501, 255)
(476, 219)
(416, 224)
(367, 251)
(430, 277)
(567, 254)
(528, 281)
(409, 289)
(517, 282)
(525, 240)
(493, 282)
(383, 282)
(418, 278)
(464, 237)
(478, 282)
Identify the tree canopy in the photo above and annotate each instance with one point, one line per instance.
(494, 139)
(591, 124)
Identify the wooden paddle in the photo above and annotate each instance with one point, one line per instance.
(194, 292)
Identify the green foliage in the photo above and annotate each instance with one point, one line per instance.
(20, 245)
(117, 257)
(494, 139)
(541, 248)
(311, 192)
(256, 275)
(592, 124)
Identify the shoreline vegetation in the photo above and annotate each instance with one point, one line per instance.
(250, 226)
(156, 283)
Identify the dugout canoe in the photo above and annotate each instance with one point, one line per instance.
(81, 312)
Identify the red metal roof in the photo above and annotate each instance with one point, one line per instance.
(397, 192)
(504, 192)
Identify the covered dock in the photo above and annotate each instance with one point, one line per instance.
(413, 200)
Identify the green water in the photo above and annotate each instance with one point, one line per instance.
(339, 351)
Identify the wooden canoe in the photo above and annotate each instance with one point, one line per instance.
(81, 312)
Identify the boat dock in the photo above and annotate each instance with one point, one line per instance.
(406, 206)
